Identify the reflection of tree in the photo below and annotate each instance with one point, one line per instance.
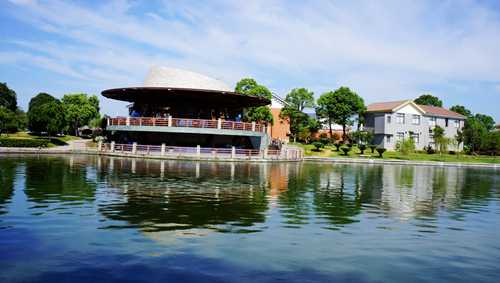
(186, 195)
(338, 200)
(54, 178)
(7, 177)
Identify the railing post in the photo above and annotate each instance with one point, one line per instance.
(169, 121)
(198, 151)
(233, 152)
(253, 126)
(163, 149)
(140, 121)
(108, 122)
(127, 121)
(134, 148)
(265, 153)
(99, 146)
(112, 149)
(219, 124)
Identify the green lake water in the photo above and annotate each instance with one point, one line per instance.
(100, 219)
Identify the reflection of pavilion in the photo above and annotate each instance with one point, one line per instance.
(163, 195)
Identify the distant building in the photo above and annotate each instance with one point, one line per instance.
(280, 130)
(397, 120)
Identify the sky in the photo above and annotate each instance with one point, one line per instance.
(383, 50)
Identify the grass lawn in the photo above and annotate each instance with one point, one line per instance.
(54, 141)
(330, 151)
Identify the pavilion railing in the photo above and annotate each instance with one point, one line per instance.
(288, 153)
(189, 123)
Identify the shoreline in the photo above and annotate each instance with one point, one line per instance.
(339, 160)
(400, 162)
(36, 151)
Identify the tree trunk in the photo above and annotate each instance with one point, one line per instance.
(343, 133)
(330, 126)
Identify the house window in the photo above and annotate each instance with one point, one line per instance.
(416, 138)
(457, 123)
(415, 120)
(389, 119)
(388, 139)
(446, 122)
(400, 118)
(400, 136)
(432, 121)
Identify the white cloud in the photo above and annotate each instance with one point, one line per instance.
(383, 50)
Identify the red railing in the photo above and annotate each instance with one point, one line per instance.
(189, 123)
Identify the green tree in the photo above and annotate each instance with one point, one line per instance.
(79, 109)
(8, 98)
(440, 139)
(487, 121)
(427, 99)
(296, 101)
(461, 110)
(339, 107)
(43, 108)
(8, 121)
(249, 86)
(474, 134)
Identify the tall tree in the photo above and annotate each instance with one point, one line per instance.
(427, 99)
(487, 121)
(461, 110)
(339, 107)
(80, 109)
(8, 121)
(296, 101)
(249, 86)
(37, 122)
(46, 114)
(474, 133)
(8, 97)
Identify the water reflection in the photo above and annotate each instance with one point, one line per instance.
(7, 177)
(160, 195)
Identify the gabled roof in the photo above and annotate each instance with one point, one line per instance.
(392, 106)
(442, 112)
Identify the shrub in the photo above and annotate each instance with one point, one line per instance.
(346, 150)
(405, 146)
(350, 145)
(372, 147)
(429, 149)
(337, 146)
(381, 151)
(362, 148)
(318, 145)
(17, 142)
(324, 140)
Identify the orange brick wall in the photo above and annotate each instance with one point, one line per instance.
(281, 127)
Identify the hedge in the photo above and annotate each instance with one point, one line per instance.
(18, 142)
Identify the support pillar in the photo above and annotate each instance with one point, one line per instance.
(134, 148)
(198, 151)
(99, 146)
(112, 149)
(233, 152)
(169, 121)
(219, 124)
(253, 126)
(127, 122)
(163, 147)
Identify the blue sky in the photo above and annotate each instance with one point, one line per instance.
(384, 50)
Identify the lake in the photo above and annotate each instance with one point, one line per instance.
(102, 219)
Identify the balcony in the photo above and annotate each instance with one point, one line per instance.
(171, 122)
